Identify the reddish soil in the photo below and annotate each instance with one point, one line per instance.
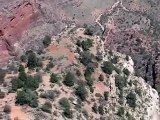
(14, 25)
(11, 28)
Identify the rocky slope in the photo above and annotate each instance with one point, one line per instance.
(117, 94)
(133, 30)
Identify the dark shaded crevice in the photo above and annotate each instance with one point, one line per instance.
(154, 75)
(1, 33)
(145, 78)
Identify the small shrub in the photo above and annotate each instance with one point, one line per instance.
(138, 91)
(81, 92)
(54, 78)
(131, 99)
(107, 67)
(99, 56)
(101, 77)
(7, 109)
(126, 71)
(114, 60)
(49, 94)
(110, 52)
(127, 57)
(86, 44)
(85, 113)
(78, 73)
(118, 71)
(46, 41)
(106, 95)
(49, 66)
(21, 68)
(129, 116)
(120, 111)
(46, 107)
(68, 113)
(64, 103)
(86, 58)
(32, 60)
(69, 79)
(23, 58)
(120, 82)
(88, 72)
(100, 110)
(89, 81)
(2, 95)
(91, 89)
(95, 108)
(88, 31)
(78, 43)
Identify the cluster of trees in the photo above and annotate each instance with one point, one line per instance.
(32, 60)
(27, 96)
(25, 81)
(25, 85)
